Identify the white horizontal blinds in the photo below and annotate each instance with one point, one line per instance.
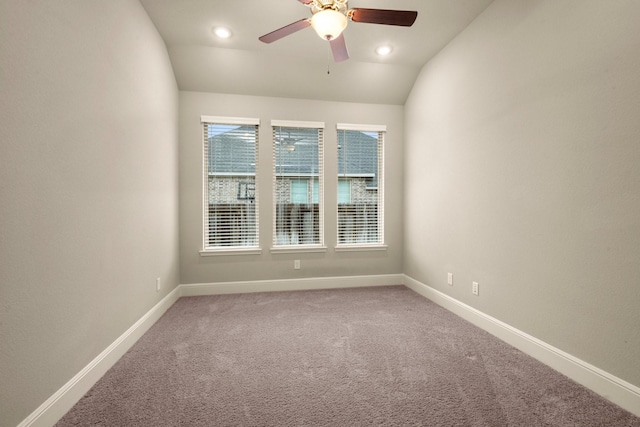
(360, 184)
(297, 183)
(230, 191)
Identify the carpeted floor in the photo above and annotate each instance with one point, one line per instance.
(380, 356)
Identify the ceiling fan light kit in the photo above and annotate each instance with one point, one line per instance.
(329, 23)
(330, 18)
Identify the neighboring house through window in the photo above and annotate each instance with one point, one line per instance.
(230, 193)
(360, 185)
(344, 191)
(297, 183)
(304, 191)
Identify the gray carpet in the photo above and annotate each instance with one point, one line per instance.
(380, 356)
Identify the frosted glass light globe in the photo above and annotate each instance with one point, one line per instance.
(329, 23)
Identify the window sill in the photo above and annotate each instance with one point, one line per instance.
(237, 251)
(297, 249)
(360, 248)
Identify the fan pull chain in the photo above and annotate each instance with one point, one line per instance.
(328, 59)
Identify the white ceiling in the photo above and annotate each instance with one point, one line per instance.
(296, 66)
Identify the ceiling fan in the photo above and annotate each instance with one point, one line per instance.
(330, 17)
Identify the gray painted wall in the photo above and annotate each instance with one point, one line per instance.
(522, 158)
(88, 187)
(518, 146)
(267, 266)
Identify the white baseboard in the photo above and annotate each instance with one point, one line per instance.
(612, 388)
(290, 284)
(69, 394)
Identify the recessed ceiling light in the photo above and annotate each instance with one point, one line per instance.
(222, 32)
(383, 50)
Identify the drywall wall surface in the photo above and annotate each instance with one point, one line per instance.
(521, 173)
(267, 266)
(88, 187)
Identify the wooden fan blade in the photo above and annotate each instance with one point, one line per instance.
(403, 18)
(339, 48)
(285, 31)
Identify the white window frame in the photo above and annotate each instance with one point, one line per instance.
(381, 130)
(319, 247)
(230, 250)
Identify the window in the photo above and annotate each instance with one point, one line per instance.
(302, 190)
(230, 192)
(360, 185)
(344, 191)
(297, 184)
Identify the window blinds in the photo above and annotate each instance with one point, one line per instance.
(361, 171)
(297, 183)
(230, 191)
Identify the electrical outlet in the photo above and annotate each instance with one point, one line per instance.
(450, 279)
(296, 264)
(157, 284)
(475, 288)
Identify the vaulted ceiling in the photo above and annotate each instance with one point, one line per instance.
(300, 65)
